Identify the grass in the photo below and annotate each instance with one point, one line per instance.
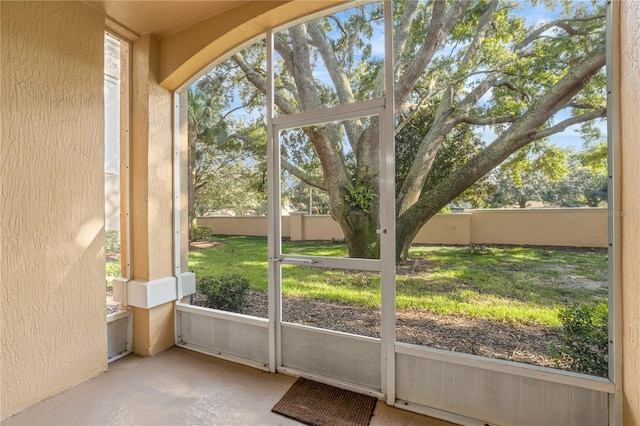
(112, 246)
(520, 285)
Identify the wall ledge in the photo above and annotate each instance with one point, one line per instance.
(149, 294)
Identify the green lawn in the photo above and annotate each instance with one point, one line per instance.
(112, 247)
(512, 284)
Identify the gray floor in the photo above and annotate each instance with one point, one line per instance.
(180, 387)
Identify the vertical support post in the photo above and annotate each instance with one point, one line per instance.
(388, 218)
(176, 189)
(125, 107)
(615, 205)
(152, 227)
(274, 228)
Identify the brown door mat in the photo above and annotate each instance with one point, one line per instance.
(318, 404)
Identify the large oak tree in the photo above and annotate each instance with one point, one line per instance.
(467, 65)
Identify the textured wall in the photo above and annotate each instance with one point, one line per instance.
(151, 194)
(575, 227)
(151, 167)
(579, 227)
(52, 270)
(629, 89)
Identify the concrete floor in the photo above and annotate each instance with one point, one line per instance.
(181, 387)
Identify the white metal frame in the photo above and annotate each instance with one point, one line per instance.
(176, 188)
(390, 349)
(613, 156)
(388, 212)
(384, 109)
(125, 315)
(373, 107)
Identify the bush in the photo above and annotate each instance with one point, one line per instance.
(112, 242)
(200, 233)
(226, 292)
(113, 269)
(584, 342)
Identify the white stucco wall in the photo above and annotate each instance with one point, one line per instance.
(53, 329)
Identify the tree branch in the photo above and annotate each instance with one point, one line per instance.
(402, 34)
(338, 77)
(440, 25)
(304, 177)
(560, 23)
(483, 26)
(561, 126)
(577, 105)
(259, 82)
(489, 121)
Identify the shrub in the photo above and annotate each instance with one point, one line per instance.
(583, 344)
(200, 233)
(478, 249)
(112, 242)
(113, 269)
(226, 292)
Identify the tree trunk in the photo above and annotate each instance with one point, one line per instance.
(361, 235)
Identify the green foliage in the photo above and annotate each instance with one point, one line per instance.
(531, 186)
(227, 153)
(456, 149)
(583, 344)
(226, 292)
(200, 233)
(360, 197)
(579, 179)
(539, 157)
(478, 249)
(113, 269)
(112, 247)
(594, 157)
(112, 242)
(586, 183)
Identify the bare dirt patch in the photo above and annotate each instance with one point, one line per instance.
(527, 344)
(573, 281)
(201, 245)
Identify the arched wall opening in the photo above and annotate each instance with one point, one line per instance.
(405, 355)
(187, 53)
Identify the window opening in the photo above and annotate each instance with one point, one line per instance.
(228, 186)
(116, 162)
(333, 298)
(356, 194)
(490, 265)
(464, 87)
